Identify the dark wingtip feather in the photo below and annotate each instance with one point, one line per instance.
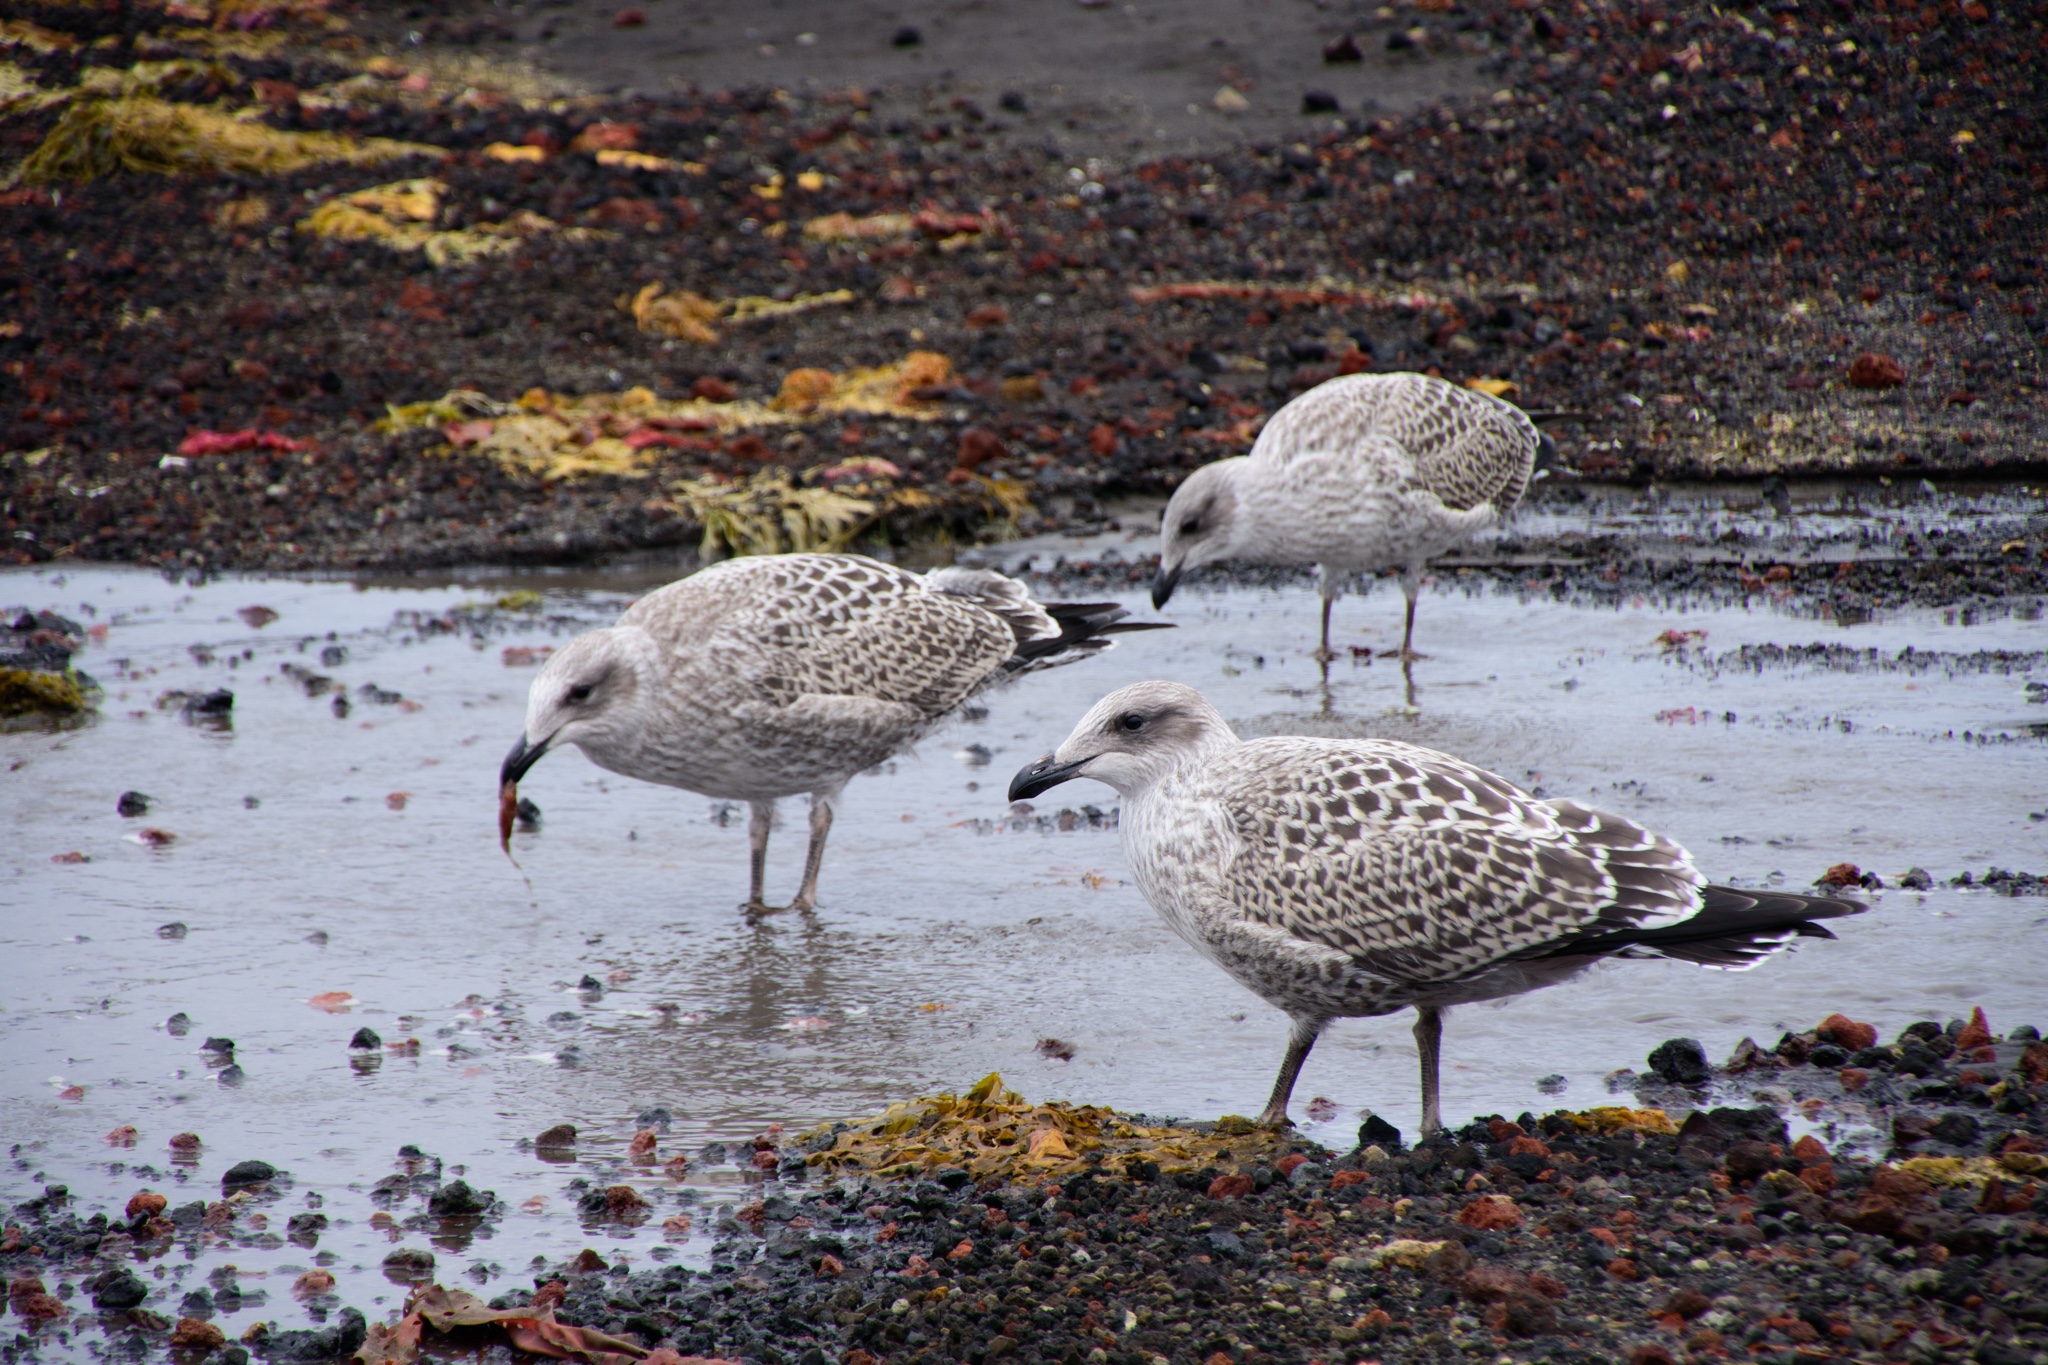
(1082, 626)
(1732, 928)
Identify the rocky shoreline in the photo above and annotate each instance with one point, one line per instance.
(198, 369)
(1903, 1223)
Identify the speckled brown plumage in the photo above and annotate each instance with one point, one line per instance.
(763, 677)
(1359, 877)
(1363, 472)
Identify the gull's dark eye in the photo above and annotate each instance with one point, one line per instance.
(1132, 721)
(1192, 526)
(580, 692)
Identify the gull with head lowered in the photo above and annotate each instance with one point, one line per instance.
(1341, 878)
(763, 677)
(1363, 472)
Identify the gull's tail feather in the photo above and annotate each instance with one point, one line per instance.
(1732, 929)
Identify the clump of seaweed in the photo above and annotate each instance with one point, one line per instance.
(401, 216)
(992, 1130)
(146, 134)
(27, 692)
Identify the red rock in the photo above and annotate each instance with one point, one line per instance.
(1809, 1150)
(147, 1204)
(1846, 1033)
(1230, 1187)
(1873, 371)
(1975, 1034)
(830, 1267)
(1353, 361)
(1343, 1180)
(1286, 1164)
(629, 18)
(1854, 1078)
(1490, 1284)
(1528, 1146)
(1491, 1213)
(979, 445)
(712, 389)
(1687, 1304)
(586, 1262)
(1841, 874)
(988, 315)
(1819, 1177)
(961, 1250)
(1102, 439)
(1622, 1268)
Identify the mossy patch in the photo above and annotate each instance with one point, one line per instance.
(29, 692)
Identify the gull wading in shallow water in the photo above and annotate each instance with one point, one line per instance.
(1341, 878)
(1364, 472)
(764, 677)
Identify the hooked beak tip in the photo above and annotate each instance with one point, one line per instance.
(1043, 775)
(1163, 584)
(522, 757)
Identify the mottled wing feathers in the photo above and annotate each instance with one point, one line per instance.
(845, 625)
(1422, 868)
(1466, 448)
(1004, 596)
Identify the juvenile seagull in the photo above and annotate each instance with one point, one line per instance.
(1340, 878)
(1366, 471)
(763, 677)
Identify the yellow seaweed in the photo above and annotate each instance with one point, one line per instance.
(98, 137)
(28, 692)
(1620, 1120)
(401, 215)
(991, 1130)
(687, 316)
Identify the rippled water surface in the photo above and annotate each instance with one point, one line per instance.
(315, 853)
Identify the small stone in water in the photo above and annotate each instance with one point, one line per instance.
(1681, 1061)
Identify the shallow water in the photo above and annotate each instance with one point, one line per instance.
(954, 936)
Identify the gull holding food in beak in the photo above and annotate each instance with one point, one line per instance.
(768, 676)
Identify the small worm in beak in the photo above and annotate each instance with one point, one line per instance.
(508, 810)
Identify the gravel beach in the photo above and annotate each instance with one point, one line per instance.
(1857, 290)
(1684, 1222)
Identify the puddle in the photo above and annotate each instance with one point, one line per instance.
(955, 935)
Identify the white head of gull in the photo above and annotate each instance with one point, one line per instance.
(1363, 472)
(763, 677)
(1345, 878)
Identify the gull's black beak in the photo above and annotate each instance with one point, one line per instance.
(1163, 584)
(520, 759)
(1043, 775)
